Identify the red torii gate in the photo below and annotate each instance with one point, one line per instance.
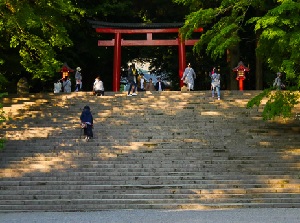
(148, 29)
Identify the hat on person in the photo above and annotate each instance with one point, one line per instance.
(278, 73)
(78, 69)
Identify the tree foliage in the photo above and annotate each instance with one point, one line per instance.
(276, 24)
(36, 29)
(279, 103)
(38, 36)
(279, 40)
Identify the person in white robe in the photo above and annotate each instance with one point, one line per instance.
(188, 77)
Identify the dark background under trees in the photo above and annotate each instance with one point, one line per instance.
(94, 60)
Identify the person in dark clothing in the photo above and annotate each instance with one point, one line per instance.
(159, 86)
(131, 77)
(87, 118)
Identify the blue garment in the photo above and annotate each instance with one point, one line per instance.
(132, 86)
(188, 77)
(218, 91)
(87, 117)
(215, 79)
(215, 83)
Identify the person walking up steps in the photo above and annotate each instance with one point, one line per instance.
(131, 81)
(215, 83)
(188, 77)
(86, 119)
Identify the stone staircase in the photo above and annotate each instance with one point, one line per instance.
(159, 150)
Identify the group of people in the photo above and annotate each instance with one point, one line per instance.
(189, 77)
(137, 82)
(65, 84)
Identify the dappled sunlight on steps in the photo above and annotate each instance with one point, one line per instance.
(166, 150)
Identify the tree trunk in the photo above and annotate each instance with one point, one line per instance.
(233, 56)
(258, 71)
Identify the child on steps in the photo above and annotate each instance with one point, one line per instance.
(87, 118)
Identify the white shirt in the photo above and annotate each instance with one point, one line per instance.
(98, 85)
(142, 83)
(159, 86)
(57, 87)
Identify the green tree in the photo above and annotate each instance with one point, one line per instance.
(129, 11)
(279, 39)
(32, 31)
(276, 24)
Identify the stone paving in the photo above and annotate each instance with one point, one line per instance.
(263, 215)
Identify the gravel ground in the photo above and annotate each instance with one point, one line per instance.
(264, 215)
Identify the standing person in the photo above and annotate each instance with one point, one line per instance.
(78, 78)
(86, 118)
(141, 82)
(57, 87)
(159, 86)
(67, 84)
(277, 82)
(131, 81)
(189, 76)
(98, 87)
(150, 86)
(215, 83)
(213, 71)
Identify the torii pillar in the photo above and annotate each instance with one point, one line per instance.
(117, 62)
(181, 58)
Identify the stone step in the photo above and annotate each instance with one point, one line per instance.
(82, 178)
(139, 202)
(46, 185)
(68, 174)
(205, 174)
(143, 189)
(268, 197)
(167, 150)
(150, 161)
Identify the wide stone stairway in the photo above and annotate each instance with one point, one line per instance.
(159, 150)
